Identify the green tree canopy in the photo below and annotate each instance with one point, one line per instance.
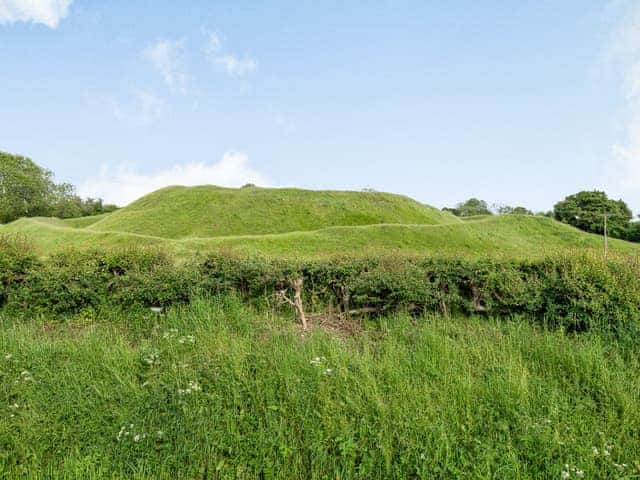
(28, 190)
(508, 210)
(25, 188)
(586, 210)
(471, 207)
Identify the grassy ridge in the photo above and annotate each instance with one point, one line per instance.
(216, 390)
(208, 211)
(304, 223)
(508, 236)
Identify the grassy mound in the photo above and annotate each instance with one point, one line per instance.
(304, 223)
(217, 390)
(208, 211)
(511, 236)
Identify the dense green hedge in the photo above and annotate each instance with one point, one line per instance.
(576, 292)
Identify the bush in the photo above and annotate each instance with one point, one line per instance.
(578, 293)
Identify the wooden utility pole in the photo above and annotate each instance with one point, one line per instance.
(605, 236)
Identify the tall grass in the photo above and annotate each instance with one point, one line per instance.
(217, 390)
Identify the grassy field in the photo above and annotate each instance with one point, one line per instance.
(509, 236)
(302, 223)
(217, 390)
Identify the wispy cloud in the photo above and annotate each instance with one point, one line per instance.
(231, 63)
(167, 57)
(236, 66)
(47, 12)
(144, 109)
(624, 55)
(124, 185)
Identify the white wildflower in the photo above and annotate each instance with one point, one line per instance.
(579, 473)
(328, 371)
(14, 406)
(152, 359)
(565, 475)
(8, 356)
(187, 339)
(595, 451)
(171, 333)
(193, 386)
(156, 309)
(317, 360)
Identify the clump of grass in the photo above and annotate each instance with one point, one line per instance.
(218, 390)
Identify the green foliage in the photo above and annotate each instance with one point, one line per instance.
(633, 232)
(575, 292)
(508, 210)
(470, 208)
(217, 390)
(27, 190)
(586, 210)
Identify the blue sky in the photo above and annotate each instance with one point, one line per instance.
(513, 102)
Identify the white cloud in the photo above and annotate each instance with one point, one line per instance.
(236, 66)
(213, 44)
(623, 174)
(167, 57)
(47, 12)
(232, 64)
(125, 185)
(145, 109)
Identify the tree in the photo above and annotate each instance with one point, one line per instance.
(633, 232)
(471, 207)
(25, 188)
(508, 210)
(28, 190)
(586, 210)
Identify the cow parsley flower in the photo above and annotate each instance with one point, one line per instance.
(187, 339)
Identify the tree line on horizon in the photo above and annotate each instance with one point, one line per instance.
(585, 210)
(28, 190)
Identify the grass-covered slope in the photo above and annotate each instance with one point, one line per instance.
(506, 236)
(208, 211)
(303, 223)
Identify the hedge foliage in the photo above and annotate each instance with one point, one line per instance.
(576, 292)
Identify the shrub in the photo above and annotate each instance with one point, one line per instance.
(578, 293)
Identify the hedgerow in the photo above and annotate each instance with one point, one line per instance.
(576, 292)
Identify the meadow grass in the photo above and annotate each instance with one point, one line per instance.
(219, 390)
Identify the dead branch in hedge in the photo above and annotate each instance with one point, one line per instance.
(296, 303)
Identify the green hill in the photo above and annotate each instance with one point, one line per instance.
(304, 223)
(208, 211)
